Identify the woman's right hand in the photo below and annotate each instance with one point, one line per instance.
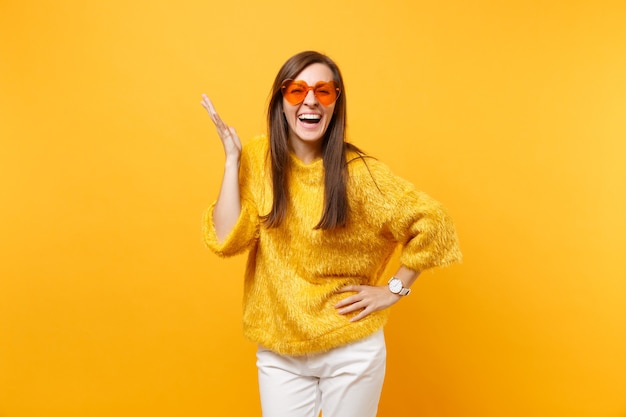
(228, 206)
(228, 135)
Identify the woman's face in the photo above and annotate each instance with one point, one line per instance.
(309, 120)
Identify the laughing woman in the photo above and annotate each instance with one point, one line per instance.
(319, 220)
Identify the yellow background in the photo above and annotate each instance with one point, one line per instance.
(510, 113)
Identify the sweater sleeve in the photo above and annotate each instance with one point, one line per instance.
(426, 232)
(240, 237)
(409, 217)
(246, 229)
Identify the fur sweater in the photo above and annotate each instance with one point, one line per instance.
(294, 271)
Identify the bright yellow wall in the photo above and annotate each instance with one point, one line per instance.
(511, 113)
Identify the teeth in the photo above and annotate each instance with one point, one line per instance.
(309, 117)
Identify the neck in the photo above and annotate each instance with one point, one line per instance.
(307, 152)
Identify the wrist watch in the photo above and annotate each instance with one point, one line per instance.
(395, 286)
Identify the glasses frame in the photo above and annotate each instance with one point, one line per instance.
(308, 88)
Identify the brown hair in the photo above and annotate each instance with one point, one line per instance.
(334, 147)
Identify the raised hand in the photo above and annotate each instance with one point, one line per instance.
(228, 135)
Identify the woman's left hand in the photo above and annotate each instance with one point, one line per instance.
(368, 299)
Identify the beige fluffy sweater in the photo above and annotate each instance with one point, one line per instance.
(294, 271)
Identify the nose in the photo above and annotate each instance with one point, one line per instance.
(310, 98)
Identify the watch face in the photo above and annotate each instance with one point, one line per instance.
(395, 286)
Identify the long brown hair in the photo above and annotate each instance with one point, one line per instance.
(334, 148)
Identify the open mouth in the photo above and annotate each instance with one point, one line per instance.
(310, 118)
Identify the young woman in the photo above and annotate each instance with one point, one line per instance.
(319, 220)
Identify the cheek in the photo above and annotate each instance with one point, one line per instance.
(289, 111)
(330, 113)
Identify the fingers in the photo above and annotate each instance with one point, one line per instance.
(352, 303)
(367, 300)
(215, 118)
(352, 307)
(227, 134)
(365, 309)
(364, 313)
(208, 105)
(347, 301)
(348, 288)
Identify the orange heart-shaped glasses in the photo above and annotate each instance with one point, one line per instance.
(295, 91)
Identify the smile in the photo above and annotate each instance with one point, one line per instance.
(309, 118)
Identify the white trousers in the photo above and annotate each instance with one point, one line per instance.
(343, 382)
